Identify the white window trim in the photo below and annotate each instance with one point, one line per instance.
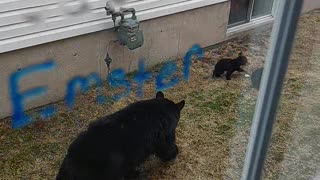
(254, 23)
(97, 25)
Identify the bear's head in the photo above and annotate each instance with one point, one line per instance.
(167, 149)
(243, 59)
(173, 109)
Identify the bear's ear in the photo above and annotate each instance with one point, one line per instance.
(180, 105)
(160, 95)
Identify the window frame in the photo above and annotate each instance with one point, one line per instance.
(251, 23)
(250, 18)
(276, 66)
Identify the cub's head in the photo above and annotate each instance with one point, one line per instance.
(243, 59)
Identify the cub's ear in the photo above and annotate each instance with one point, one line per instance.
(180, 105)
(160, 95)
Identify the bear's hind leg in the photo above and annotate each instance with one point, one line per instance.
(228, 76)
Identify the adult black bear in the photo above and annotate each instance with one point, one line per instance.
(112, 147)
(229, 65)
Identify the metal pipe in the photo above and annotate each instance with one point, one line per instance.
(271, 85)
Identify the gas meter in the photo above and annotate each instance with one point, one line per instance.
(128, 32)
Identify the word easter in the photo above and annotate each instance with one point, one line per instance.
(116, 78)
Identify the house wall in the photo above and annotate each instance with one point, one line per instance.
(166, 37)
(310, 5)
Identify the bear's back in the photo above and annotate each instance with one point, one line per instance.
(121, 140)
(223, 65)
(131, 127)
(136, 116)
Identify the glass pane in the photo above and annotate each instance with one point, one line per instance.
(214, 126)
(211, 135)
(261, 8)
(238, 11)
(294, 149)
(256, 43)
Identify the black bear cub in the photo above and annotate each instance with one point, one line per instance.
(112, 147)
(229, 65)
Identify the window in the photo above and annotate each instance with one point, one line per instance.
(267, 104)
(261, 8)
(243, 11)
(239, 11)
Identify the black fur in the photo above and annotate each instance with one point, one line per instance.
(112, 147)
(229, 65)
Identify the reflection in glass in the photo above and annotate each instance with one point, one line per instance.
(262, 8)
(294, 149)
(238, 11)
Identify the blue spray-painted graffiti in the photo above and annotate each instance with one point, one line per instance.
(20, 119)
(141, 77)
(195, 50)
(84, 83)
(167, 70)
(116, 79)
(48, 112)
